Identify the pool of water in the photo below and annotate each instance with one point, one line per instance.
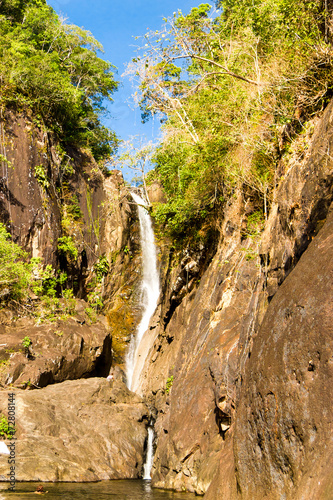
(104, 490)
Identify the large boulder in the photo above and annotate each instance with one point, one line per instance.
(82, 430)
(63, 350)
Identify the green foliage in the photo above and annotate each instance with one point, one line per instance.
(74, 210)
(15, 270)
(5, 160)
(224, 86)
(69, 302)
(255, 223)
(7, 431)
(19, 278)
(55, 300)
(41, 176)
(169, 384)
(54, 68)
(67, 247)
(46, 280)
(101, 268)
(95, 305)
(26, 342)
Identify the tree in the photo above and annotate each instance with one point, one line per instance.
(15, 271)
(136, 155)
(55, 69)
(224, 85)
(197, 43)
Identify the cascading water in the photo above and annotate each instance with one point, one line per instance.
(150, 290)
(150, 453)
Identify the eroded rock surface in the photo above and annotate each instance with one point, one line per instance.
(63, 350)
(83, 430)
(283, 437)
(193, 364)
(205, 333)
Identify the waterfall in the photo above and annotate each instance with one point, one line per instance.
(150, 453)
(150, 290)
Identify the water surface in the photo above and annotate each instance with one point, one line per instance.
(104, 490)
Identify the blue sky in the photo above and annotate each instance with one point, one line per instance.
(114, 23)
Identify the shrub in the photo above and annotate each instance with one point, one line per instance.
(101, 268)
(66, 246)
(15, 270)
(7, 431)
(26, 342)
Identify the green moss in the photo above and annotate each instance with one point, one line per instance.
(122, 322)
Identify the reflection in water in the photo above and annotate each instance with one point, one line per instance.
(104, 490)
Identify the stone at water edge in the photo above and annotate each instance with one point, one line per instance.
(79, 430)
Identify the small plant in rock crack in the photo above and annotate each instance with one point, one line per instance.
(27, 342)
(41, 176)
(169, 384)
(101, 268)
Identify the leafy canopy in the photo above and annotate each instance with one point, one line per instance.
(224, 84)
(55, 69)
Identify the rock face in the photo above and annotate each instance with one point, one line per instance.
(83, 430)
(213, 411)
(64, 350)
(283, 435)
(46, 192)
(198, 352)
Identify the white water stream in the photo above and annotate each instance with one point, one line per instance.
(150, 290)
(150, 454)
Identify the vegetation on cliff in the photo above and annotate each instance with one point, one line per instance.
(22, 278)
(54, 69)
(232, 88)
(53, 73)
(15, 272)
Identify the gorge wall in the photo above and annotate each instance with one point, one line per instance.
(239, 371)
(245, 345)
(46, 194)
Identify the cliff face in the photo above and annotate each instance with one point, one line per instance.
(238, 366)
(41, 184)
(47, 193)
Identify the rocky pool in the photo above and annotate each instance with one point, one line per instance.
(104, 490)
